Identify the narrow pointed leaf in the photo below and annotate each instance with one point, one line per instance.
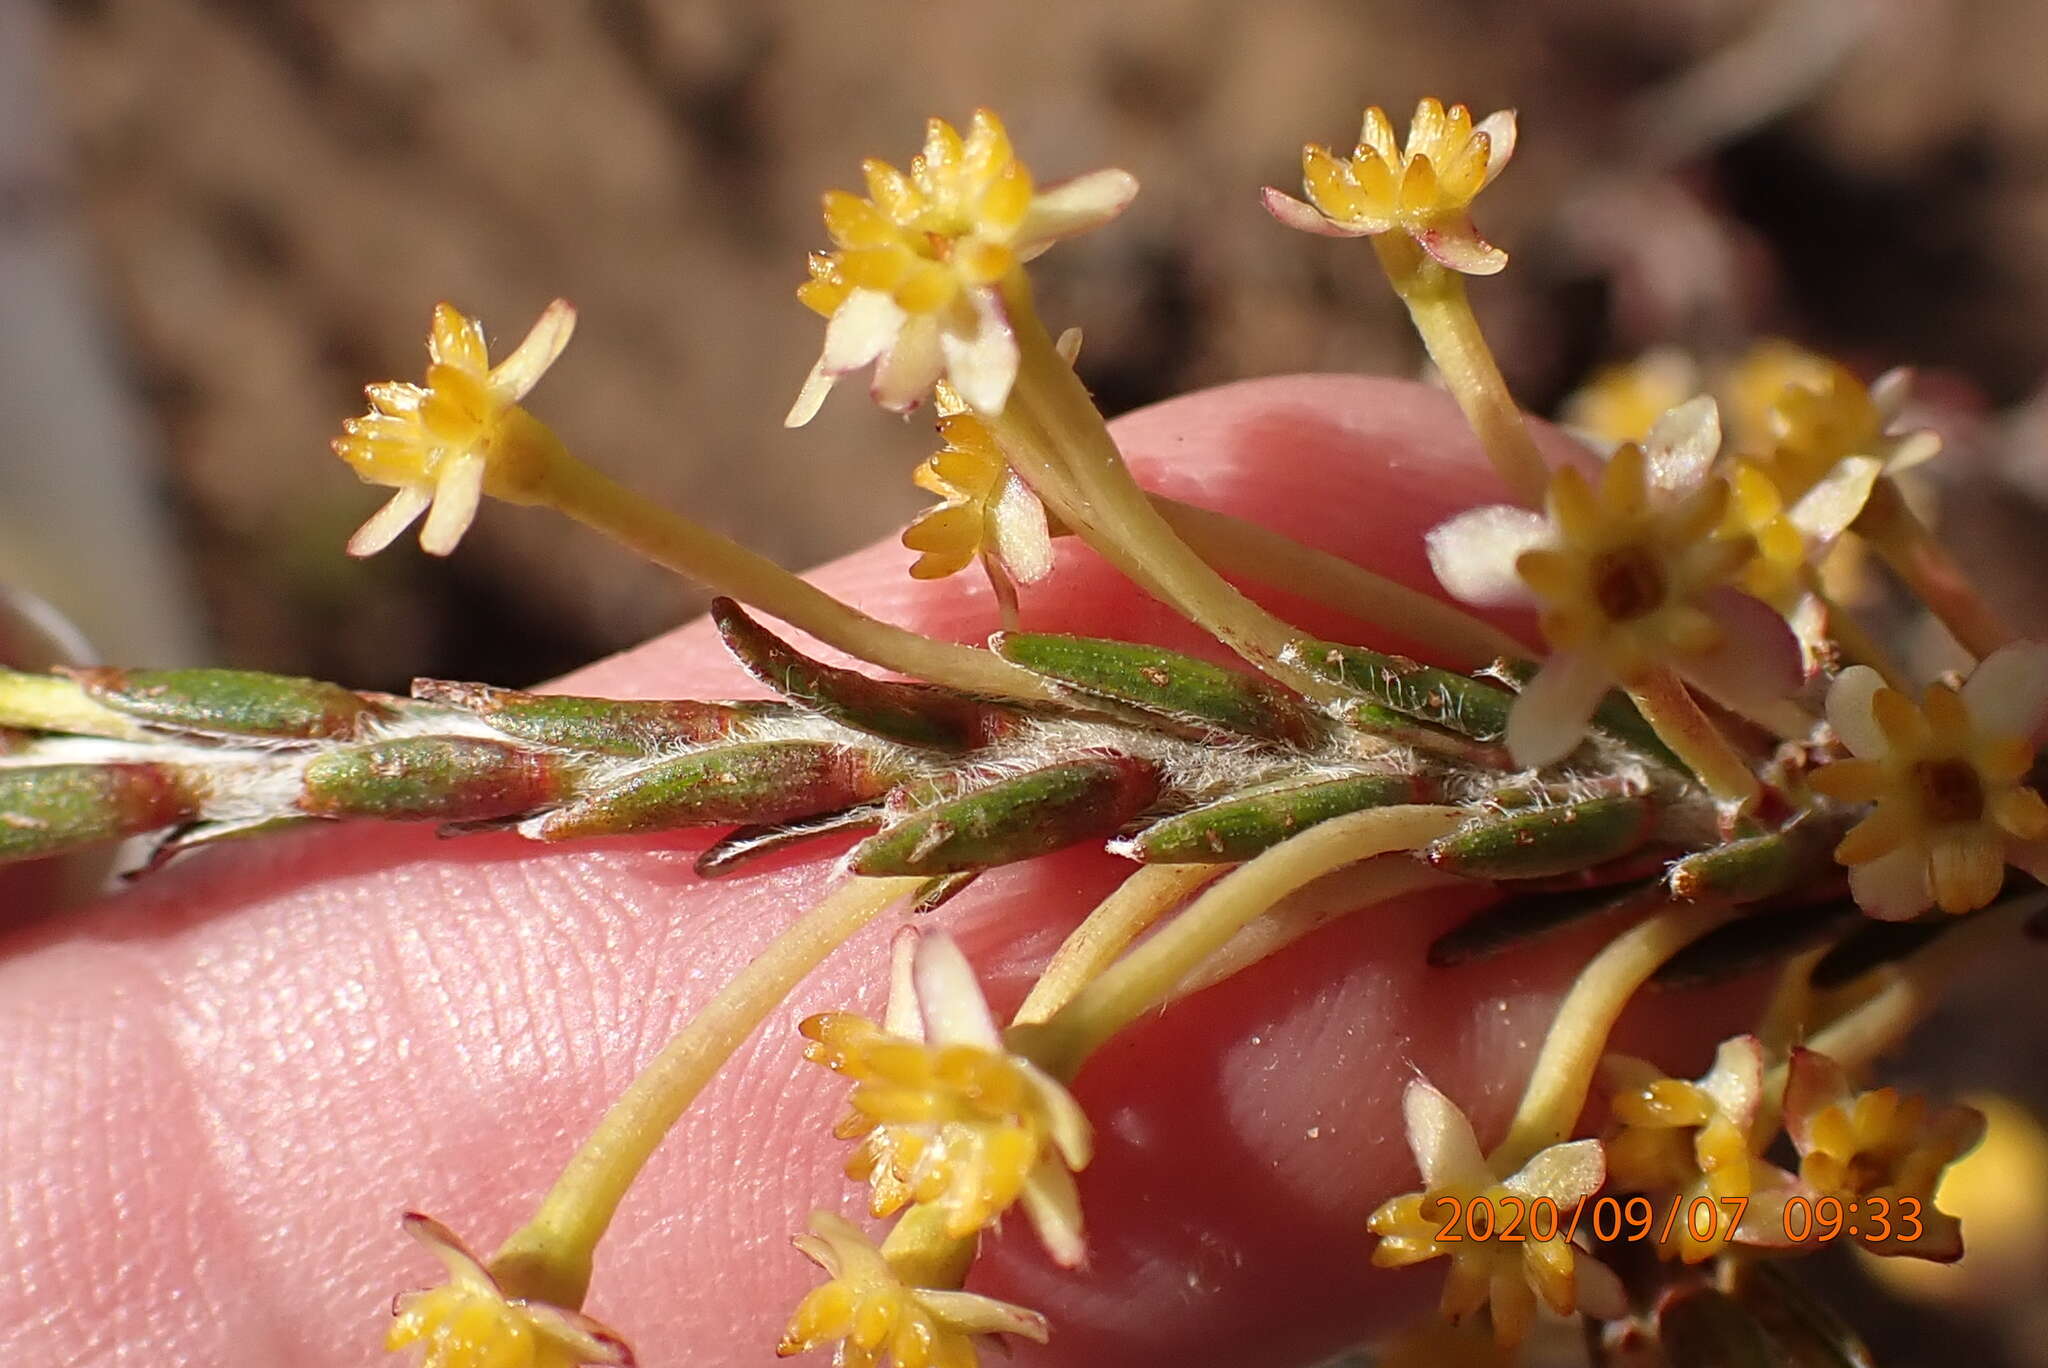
(1765, 938)
(47, 809)
(1013, 819)
(1873, 944)
(1754, 867)
(232, 702)
(1805, 1330)
(748, 843)
(1523, 917)
(1538, 842)
(941, 889)
(1462, 704)
(1166, 684)
(1703, 1327)
(430, 778)
(760, 782)
(603, 726)
(915, 714)
(1239, 828)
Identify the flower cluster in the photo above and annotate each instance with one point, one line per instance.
(1630, 576)
(1692, 1139)
(1948, 780)
(949, 1117)
(875, 1314)
(988, 514)
(470, 1322)
(1424, 188)
(914, 285)
(440, 444)
(1507, 1277)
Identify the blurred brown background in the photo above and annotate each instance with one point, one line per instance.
(255, 203)
(272, 195)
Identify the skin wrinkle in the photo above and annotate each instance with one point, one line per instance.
(444, 1130)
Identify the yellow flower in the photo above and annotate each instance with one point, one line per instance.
(988, 512)
(947, 1116)
(1832, 441)
(1949, 781)
(442, 444)
(1507, 1276)
(469, 1322)
(1689, 1139)
(1424, 189)
(1751, 388)
(1854, 1146)
(1629, 577)
(876, 1316)
(1621, 403)
(914, 285)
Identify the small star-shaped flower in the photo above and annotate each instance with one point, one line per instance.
(469, 1321)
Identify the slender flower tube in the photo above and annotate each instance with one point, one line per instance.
(913, 285)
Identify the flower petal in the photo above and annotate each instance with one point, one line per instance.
(1849, 712)
(1474, 553)
(1893, 887)
(1549, 717)
(457, 493)
(1307, 218)
(949, 996)
(1825, 511)
(1023, 539)
(911, 367)
(2008, 691)
(514, 377)
(385, 525)
(1566, 1174)
(1455, 242)
(1074, 206)
(1441, 1139)
(463, 1266)
(811, 397)
(1600, 1291)
(1499, 128)
(1814, 1083)
(1053, 1205)
(982, 365)
(864, 327)
(1682, 445)
(970, 1313)
(1736, 1082)
(1757, 659)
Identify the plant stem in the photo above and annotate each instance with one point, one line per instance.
(549, 1257)
(1149, 974)
(1117, 920)
(1452, 637)
(1563, 1076)
(1337, 895)
(724, 566)
(1058, 443)
(1442, 314)
(1669, 707)
(1929, 571)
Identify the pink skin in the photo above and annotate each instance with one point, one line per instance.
(224, 1086)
